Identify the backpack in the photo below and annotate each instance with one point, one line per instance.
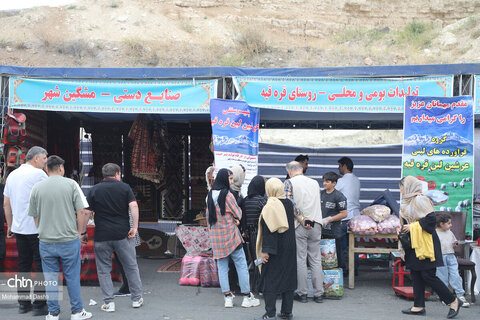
(15, 157)
(14, 128)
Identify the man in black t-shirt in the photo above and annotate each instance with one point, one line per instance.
(334, 209)
(110, 201)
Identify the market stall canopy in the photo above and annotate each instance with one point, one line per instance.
(339, 97)
(215, 72)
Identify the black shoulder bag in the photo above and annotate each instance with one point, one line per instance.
(405, 240)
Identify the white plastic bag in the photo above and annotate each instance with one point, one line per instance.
(363, 225)
(377, 212)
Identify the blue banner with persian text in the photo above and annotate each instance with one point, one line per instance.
(112, 96)
(438, 149)
(235, 128)
(338, 94)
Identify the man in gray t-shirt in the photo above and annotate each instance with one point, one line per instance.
(57, 205)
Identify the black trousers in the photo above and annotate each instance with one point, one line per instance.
(28, 253)
(124, 288)
(3, 247)
(428, 277)
(271, 299)
(340, 256)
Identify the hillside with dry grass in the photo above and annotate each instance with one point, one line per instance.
(261, 33)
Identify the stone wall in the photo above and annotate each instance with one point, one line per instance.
(319, 18)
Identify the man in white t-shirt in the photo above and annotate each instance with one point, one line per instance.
(16, 201)
(349, 185)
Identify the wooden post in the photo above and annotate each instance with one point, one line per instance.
(351, 260)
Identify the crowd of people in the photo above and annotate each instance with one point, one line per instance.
(262, 241)
(288, 219)
(282, 224)
(48, 214)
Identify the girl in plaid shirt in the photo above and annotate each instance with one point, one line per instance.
(223, 216)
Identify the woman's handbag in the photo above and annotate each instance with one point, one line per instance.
(405, 240)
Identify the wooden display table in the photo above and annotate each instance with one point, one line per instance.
(369, 247)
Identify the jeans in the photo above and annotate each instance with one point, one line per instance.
(124, 287)
(449, 274)
(125, 250)
(240, 261)
(66, 254)
(28, 252)
(343, 262)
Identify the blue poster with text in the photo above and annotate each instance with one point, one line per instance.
(235, 127)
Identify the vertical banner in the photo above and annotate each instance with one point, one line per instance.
(438, 149)
(235, 136)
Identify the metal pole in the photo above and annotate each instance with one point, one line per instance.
(2, 104)
(224, 88)
(472, 83)
(461, 85)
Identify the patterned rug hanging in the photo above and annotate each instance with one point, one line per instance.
(106, 148)
(173, 198)
(146, 157)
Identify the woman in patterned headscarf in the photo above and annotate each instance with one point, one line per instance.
(417, 217)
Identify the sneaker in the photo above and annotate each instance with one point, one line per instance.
(466, 304)
(229, 300)
(81, 315)
(108, 307)
(137, 304)
(52, 317)
(250, 301)
(122, 294)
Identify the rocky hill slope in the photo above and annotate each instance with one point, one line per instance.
(255, 33)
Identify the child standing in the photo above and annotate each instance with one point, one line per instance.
(334, 209)
(449, 272)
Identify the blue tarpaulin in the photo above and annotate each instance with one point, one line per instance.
(216, 72)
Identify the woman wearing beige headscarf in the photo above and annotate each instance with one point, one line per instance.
(276, 246)
(238, 179)
(418, 218)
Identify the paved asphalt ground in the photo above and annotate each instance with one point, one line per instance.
(372, 298)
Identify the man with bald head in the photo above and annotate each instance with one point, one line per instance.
(304, 192)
